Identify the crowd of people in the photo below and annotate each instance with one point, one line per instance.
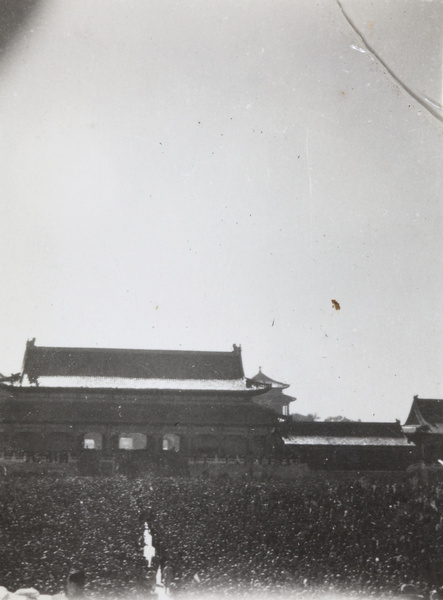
(355, 536)
(230, 537)
(48, 527)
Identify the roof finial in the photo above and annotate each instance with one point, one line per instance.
(259, 369)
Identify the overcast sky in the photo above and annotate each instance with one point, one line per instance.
(193, 174)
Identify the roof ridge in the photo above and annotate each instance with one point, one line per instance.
(138, 350)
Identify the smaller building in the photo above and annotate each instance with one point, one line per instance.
(274, 399)
(424, 427)
(348, 445)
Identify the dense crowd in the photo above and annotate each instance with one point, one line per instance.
(47, 527)
(231, 537)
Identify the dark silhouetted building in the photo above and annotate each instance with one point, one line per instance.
(132, 408)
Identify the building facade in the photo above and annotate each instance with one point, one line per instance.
(348, 446)
(132, 409)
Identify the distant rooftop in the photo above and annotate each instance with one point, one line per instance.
(425, 412)
(262, 378)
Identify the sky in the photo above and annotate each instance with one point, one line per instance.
(193, 175)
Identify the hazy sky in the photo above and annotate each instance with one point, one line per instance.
(193, 174)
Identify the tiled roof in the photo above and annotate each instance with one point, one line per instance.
(287, 399)
(40, 361)
(353, 429)
(262, 378)
(427, 412)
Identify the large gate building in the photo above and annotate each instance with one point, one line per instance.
(133, 406)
